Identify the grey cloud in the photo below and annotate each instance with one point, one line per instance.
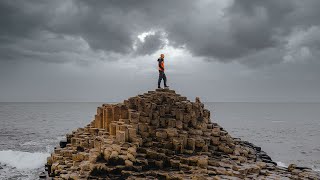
(21, 19)
(151, 44)
(114, 25)
(265, 57)
(246, 31)
(251, 32)
(25, 22)
(248, 28)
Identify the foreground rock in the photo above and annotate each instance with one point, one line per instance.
(161, 135)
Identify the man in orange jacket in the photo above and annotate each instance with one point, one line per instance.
(162, 75)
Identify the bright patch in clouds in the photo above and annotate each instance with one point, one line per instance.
(143, 35)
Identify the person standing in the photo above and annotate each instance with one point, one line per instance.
(162, 75)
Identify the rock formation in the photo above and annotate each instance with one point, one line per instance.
(161, 135)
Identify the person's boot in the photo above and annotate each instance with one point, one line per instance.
(159, 87)
(166, 86)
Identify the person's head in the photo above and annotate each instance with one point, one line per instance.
(162, 56)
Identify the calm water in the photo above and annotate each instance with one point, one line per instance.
(288, 132)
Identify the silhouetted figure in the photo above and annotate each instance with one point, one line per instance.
(162, 75)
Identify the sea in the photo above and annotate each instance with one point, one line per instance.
(288, 132)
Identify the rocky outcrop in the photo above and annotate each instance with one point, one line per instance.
(161, 135)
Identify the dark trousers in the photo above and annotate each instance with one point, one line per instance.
(162, 75)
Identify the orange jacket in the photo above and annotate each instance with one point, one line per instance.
(161, 64)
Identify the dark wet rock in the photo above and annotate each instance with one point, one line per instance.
(42, 175)
(303, 168)
(63, 143)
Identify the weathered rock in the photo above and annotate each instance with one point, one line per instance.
(291, 167)
(114, 154)
(128, 163)
(161, 134)
(203, 161)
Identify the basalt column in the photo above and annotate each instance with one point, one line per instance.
(161, 135)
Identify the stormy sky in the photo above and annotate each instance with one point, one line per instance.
(106, 51)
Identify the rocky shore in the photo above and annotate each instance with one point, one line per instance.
(161, 135)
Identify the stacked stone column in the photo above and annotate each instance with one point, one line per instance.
(159, 134)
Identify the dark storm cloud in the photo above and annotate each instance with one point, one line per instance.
(114, 25)
(111, 26)
(252, 32)
(21, 19)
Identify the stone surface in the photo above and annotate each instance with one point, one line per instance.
(161, 135)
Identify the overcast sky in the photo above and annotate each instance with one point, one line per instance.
(220, 50)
